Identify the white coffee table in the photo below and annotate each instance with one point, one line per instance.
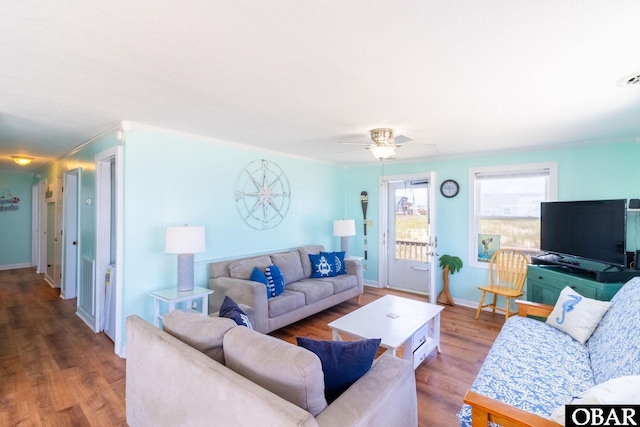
(397, 321)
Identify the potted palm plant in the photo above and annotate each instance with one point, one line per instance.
(449, 264)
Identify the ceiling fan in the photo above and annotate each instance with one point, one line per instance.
(384, 143)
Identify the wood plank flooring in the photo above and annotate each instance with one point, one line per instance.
(54, 371)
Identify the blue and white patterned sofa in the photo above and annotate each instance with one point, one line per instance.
(536, 368)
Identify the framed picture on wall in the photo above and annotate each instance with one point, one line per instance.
(487, 245)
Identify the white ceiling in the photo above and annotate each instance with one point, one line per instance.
(299, 75)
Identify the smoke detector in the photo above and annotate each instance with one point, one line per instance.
(632, 80)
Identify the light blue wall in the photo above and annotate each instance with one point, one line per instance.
(605, 171)
(173, 179)
(15, 226)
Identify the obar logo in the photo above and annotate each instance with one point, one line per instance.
(602, 415)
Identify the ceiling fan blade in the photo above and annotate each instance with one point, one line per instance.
(354, 143)
(422, 144)
(400, 139)
(349, 151)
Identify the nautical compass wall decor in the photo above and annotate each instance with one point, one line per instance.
(263, 194)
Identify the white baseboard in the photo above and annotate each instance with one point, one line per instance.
(15, 266)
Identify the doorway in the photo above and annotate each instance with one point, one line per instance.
(409, 236)
(109, 249)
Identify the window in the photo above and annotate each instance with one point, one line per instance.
(504, 208)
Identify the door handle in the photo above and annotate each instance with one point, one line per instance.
(420, 268)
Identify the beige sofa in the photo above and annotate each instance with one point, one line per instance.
(303, 296)
(170, 383)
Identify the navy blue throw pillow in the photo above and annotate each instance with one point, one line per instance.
(258, 276)
(338, 258)
(230, 310)
(343, 362)
(275, 278)
(322, 265)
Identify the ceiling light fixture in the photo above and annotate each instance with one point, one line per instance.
(381, 135)
(383, 151)
(21, 160)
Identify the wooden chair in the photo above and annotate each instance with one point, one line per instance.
(507, 272)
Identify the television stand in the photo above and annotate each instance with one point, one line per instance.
(600, 272)
(545, 282)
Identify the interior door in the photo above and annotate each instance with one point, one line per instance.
(57, 240)
(411, 238)
(70, 235)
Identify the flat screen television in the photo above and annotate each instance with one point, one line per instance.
(594, 230)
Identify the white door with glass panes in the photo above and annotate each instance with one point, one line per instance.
(411, 234)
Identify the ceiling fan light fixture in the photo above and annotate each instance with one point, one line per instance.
(381, 135)
(22, 160)
(383, 151)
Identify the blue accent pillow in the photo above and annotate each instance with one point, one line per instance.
(275, 278)
(343, 362)
(322, 265)
(338, 260)
(230, 310)
(258, 276)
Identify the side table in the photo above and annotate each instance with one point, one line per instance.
(172, 297)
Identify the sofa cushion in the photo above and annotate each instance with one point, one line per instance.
(525, 369)
(230, 310)
(290, 265)
(613, 347)
(203, 333)
(622, 390)
(577, 315)
(243, 268)
(338, 259)
(285, 303)
(343, 363)
(341, 283)
(291, 372)
(304, 257)
(322, 266)
(313, 290)
(275, 279)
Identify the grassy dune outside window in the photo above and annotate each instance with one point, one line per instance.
(505, 201)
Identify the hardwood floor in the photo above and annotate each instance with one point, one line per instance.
(54, 371)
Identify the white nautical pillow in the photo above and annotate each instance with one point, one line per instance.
(621, 390)
(576, 315)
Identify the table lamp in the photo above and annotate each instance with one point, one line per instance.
(184, 241)
(344, 228)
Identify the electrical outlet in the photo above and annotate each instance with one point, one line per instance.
(194, 305)
(364, 267)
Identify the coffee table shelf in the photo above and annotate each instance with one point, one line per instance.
(397, 321)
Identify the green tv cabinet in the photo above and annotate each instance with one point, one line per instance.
(545, 282)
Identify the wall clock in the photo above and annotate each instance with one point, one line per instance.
(263, 194)
(449, 188)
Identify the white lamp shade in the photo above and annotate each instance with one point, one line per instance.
(383, 151)
(184, 240)
(344, 227)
